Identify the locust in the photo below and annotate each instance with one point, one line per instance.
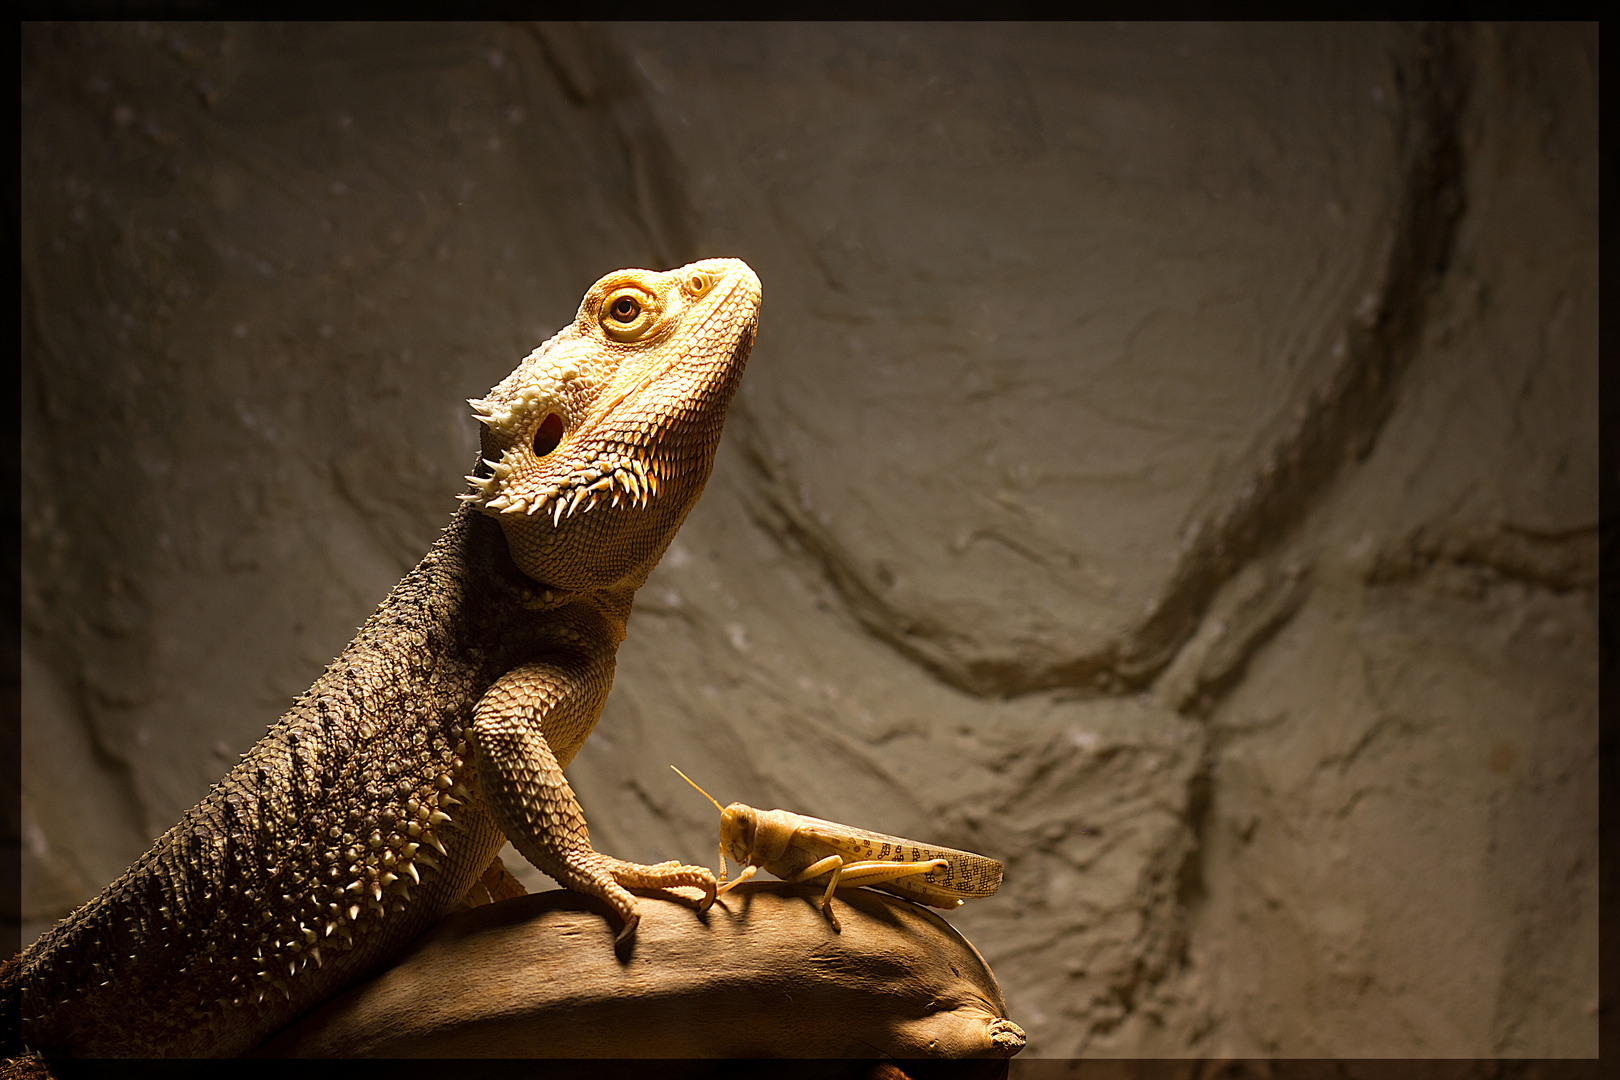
(797, 848)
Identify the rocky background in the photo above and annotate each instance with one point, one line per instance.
(1168, 465)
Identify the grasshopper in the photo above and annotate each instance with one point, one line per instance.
(798, 849)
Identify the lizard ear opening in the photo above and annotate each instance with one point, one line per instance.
(549, 435)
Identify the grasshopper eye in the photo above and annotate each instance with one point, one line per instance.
(738, 824)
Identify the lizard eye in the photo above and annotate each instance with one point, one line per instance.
(549, 435)
(628, 314)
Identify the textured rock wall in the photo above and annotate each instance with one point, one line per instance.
(1168, 464)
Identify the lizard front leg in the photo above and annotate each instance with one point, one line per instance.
(518, 727)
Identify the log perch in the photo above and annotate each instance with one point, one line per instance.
(761, 974)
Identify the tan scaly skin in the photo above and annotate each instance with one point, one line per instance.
(380, 798)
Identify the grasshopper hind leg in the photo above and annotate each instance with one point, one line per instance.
(832, 865)
(874, 872)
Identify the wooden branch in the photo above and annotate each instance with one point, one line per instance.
(761, 974)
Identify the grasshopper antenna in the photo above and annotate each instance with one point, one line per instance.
(718, 807)
(705, 794)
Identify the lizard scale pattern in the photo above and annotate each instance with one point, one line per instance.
(383, 794)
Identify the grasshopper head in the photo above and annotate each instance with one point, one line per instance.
(737, 831)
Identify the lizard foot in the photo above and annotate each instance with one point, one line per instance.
(609, 878)
(665, 875)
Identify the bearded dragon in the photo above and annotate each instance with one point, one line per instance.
(384, 793)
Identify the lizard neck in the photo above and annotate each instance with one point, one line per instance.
(486, 543)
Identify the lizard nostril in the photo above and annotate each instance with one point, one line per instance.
(549, 435)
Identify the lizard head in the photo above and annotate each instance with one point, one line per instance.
(601, 440)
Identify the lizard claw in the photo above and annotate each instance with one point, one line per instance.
(711, 890)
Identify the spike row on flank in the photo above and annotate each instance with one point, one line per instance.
(389, 865)
(383, 867)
